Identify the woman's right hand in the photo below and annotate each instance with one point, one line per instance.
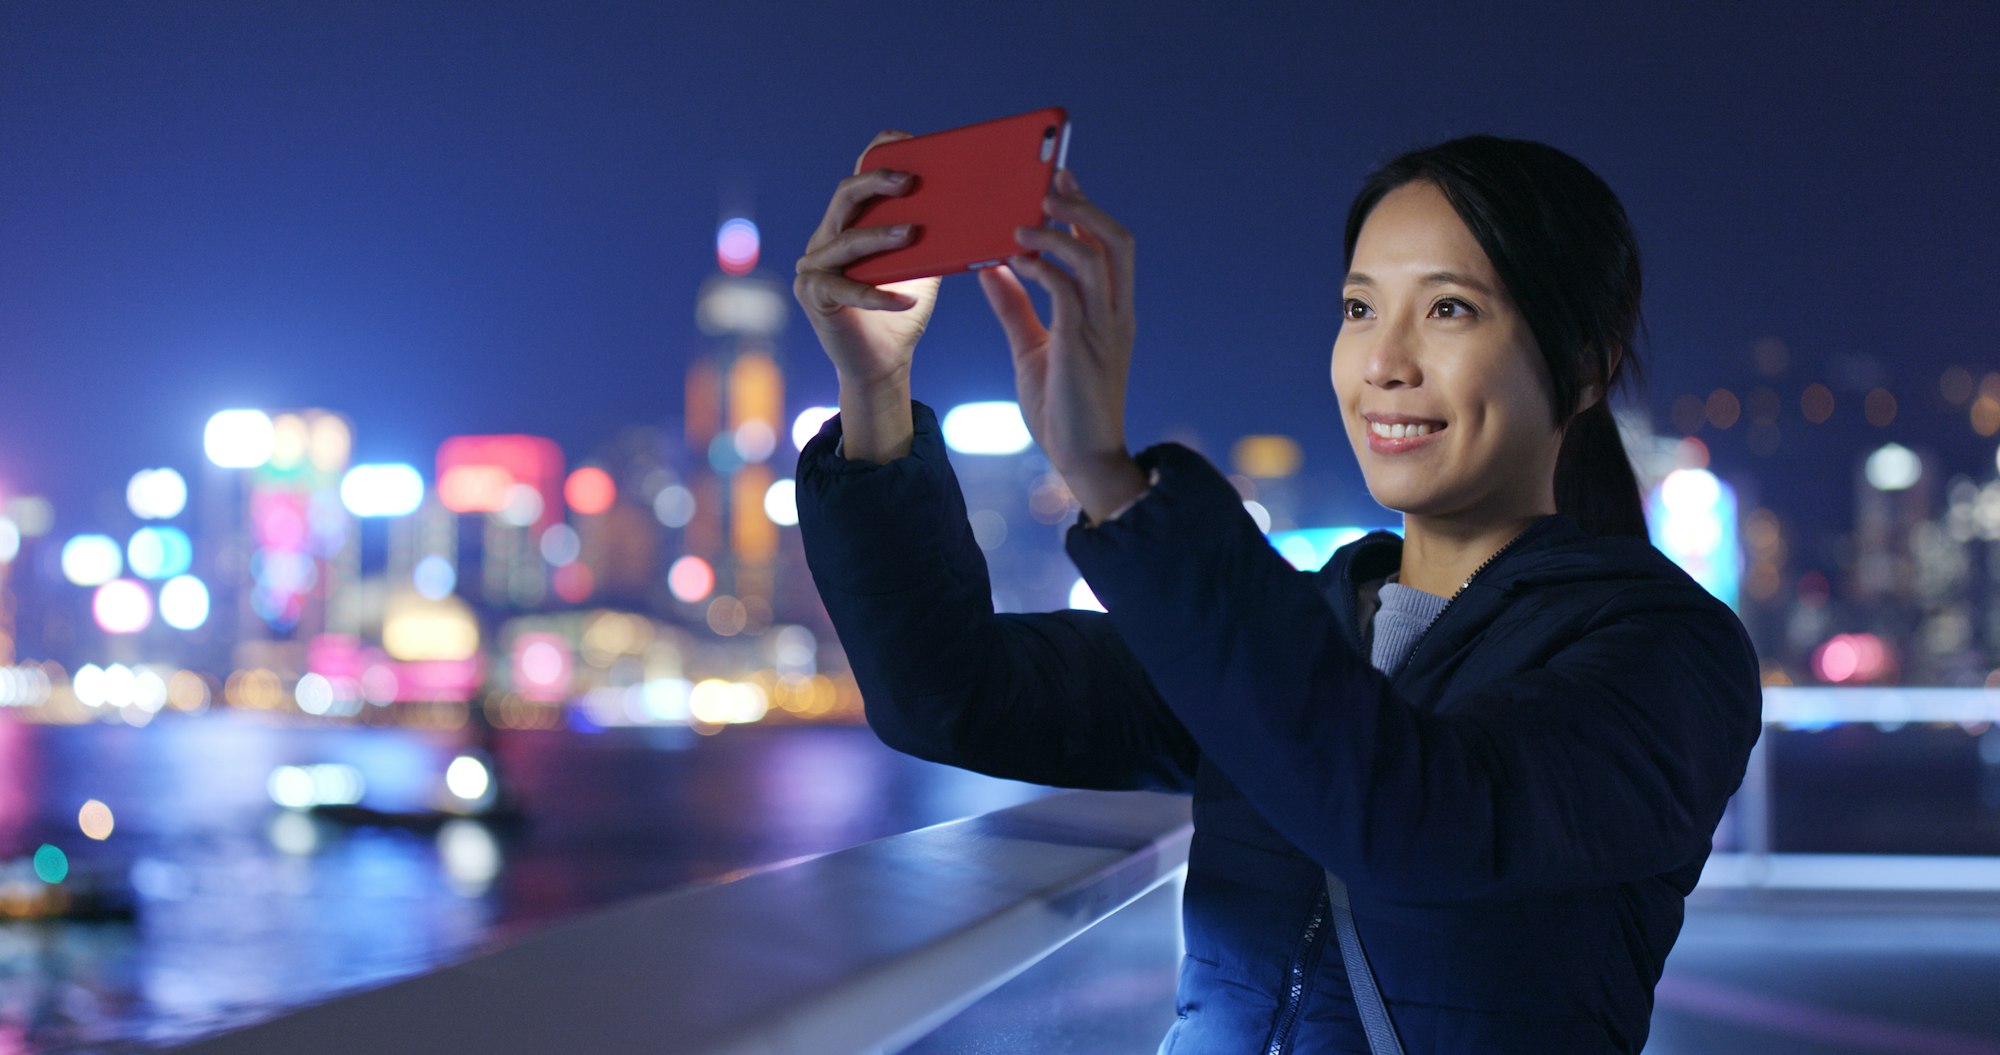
(870, 332)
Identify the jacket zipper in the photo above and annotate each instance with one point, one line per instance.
(1425, 632)
(1309, 943)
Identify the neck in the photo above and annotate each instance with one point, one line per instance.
(1440, 553)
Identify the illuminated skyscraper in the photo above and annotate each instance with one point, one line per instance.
(734, 422)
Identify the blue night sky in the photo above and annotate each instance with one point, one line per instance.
(448, 218)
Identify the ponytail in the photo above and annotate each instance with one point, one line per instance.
(1595, 485)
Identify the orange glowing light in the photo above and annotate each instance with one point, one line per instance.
(589, 490)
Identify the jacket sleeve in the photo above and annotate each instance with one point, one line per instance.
(1611, 762)
(1048, 697)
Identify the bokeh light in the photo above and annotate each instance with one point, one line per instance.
(690, 578)
(808, 423)
(589, 490)
(992, 427)
(156, 494)
(434, 577)
(560, 545)
(122, 606)
(387, 490)
(1893, 467)
(92, 560)
(95, 820)
(239, 439)
(736, 246)
(781, 503)
(159, 552)
(1816, 403)
(674, 506)
(51, 864)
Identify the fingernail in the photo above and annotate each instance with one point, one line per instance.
(899, 177)
(1067, 179)
(899, 230)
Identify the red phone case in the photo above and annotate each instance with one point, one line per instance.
(973, 186)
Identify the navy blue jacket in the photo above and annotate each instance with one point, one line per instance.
(1518, 812)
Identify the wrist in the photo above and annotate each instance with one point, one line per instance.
(1107, 485)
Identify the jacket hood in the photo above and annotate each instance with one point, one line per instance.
(1553, 551)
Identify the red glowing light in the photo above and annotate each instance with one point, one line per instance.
(590, 490)
(475, 473)
(573, 582)
(691, 579)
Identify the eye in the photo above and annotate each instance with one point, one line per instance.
(1453, 308)
(1349, 307)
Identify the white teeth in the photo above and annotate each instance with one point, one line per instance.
(1397, 432)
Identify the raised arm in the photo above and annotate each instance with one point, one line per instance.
(1049, 697)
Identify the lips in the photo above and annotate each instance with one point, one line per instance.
(1381, 444)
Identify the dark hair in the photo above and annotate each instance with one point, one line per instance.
(1565, 252)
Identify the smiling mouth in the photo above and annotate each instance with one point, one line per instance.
(1398, 432)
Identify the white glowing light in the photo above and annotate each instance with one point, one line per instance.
(10, 540)
(291, 787)
(467, 778)
(781, 503)
(755, 442)
(92, 560)
(1690, 491)
(156, 494)
(1081, 596)
(122, 606)
(239, 439)
(994, 427)
(1893, 467)
(184, 602)
(314, 694)
(807, 425)
(388, 490)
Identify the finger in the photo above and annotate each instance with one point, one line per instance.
(826, 293)
(1088, 261)
(887, 135)
(853, 244)
(1067, 202)
(1065, 300)
(849, 195)
(1011, 304)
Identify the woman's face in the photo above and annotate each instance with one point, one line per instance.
(1428, 333)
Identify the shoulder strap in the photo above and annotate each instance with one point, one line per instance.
(1360, 977)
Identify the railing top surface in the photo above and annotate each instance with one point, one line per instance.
(858, 949)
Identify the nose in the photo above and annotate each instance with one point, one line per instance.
(1391, 358)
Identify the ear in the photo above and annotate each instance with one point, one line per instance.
(1593, 390)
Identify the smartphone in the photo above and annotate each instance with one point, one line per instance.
(971, 186)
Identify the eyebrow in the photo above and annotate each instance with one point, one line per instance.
(1435, 278)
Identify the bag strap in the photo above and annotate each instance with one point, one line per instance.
(1375, 1022)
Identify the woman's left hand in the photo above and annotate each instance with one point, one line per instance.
(1071, 375)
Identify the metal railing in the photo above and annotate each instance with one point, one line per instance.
(860, 950)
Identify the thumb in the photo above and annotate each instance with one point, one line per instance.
(1010, 303)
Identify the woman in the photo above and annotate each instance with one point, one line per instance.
(1451, 789)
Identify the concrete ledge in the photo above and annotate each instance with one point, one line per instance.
(861, 950)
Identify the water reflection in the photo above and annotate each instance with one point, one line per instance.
(242, 906)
